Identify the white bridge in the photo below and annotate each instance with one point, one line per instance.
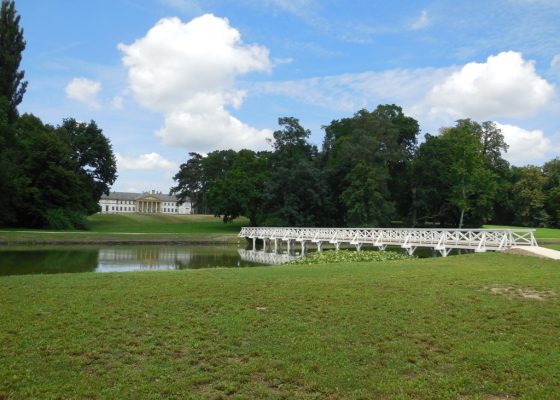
(442, 240)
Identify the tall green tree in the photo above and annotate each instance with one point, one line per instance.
(377, 145)
(189, 182)
(296, 191)
(241, 191)
(12, 44)
(198, 174)
(454, 176)
(529, 196)
(95, 163)
(551, 171)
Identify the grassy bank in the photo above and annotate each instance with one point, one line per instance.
(479, 326)
(138, 228)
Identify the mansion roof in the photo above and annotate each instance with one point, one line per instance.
(138, 196)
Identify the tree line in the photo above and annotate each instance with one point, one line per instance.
(50, 176)
(371, 171)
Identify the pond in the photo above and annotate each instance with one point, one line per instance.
(20, 260)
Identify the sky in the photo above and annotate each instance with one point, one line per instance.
(163, 78)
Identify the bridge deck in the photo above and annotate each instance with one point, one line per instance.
(442, 240)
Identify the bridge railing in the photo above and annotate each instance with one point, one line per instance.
(477, 239)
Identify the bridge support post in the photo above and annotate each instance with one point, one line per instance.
(337, 245)
(410, 250)
(303, 247)
(319, 246)
(358, 246)
(275, 246)
(254, 244)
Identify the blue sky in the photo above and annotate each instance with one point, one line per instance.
(166, 77)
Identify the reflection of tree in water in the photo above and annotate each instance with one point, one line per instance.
(47, 261)
(214, 260)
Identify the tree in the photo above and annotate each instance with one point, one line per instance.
(455, 181)
(296, 191)
(49, 183)
(377, 145)
(241, 191)
(529, 196)
(551, 170)
(95, 162)
(189, 181)
(12, 44)
(198, 174)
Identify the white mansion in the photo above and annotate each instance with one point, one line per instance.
(147, 202)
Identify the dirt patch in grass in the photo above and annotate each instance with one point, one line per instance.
(524, 293)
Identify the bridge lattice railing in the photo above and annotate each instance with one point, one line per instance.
(478, 239)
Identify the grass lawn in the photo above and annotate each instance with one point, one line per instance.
(144, 227)
(540, 233)
(477, 326)
(158, 223)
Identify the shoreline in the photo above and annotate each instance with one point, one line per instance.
(88, 238)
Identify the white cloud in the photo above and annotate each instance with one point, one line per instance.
(504, 86)
(525, 146)
(423, 21)
(117, 103)
(83, 90)
(145, 162)
(187, 71)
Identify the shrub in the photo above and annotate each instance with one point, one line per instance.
(57, 219)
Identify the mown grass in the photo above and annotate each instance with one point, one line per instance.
(478, 326)
(540, 233)
(159, 223)
(120, 228)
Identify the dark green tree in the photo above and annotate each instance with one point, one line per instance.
(551, 170)
(95, 163)
(529, 197)
(379, 145)
(189, 182)
(198, 174)
(49, 186)
(455, 179)
(12, 44)
(296, 191)
(241, 190)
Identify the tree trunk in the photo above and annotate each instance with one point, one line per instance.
(461, 220)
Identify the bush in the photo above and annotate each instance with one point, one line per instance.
(60, 219)
(327, 257)
(57, 219)
(78, 220)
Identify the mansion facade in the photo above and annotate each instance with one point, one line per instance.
(147, 202)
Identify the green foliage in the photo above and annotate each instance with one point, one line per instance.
(57, 219)
(347, 256)
(365, 156)
(241, 190)
(12, 44)
(371, 172)
(455, 181)
(529, 197)
(551, 170)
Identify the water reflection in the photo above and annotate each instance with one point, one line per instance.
(261, 257)
(63, 259)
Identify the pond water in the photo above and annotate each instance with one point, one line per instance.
(19, 260)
